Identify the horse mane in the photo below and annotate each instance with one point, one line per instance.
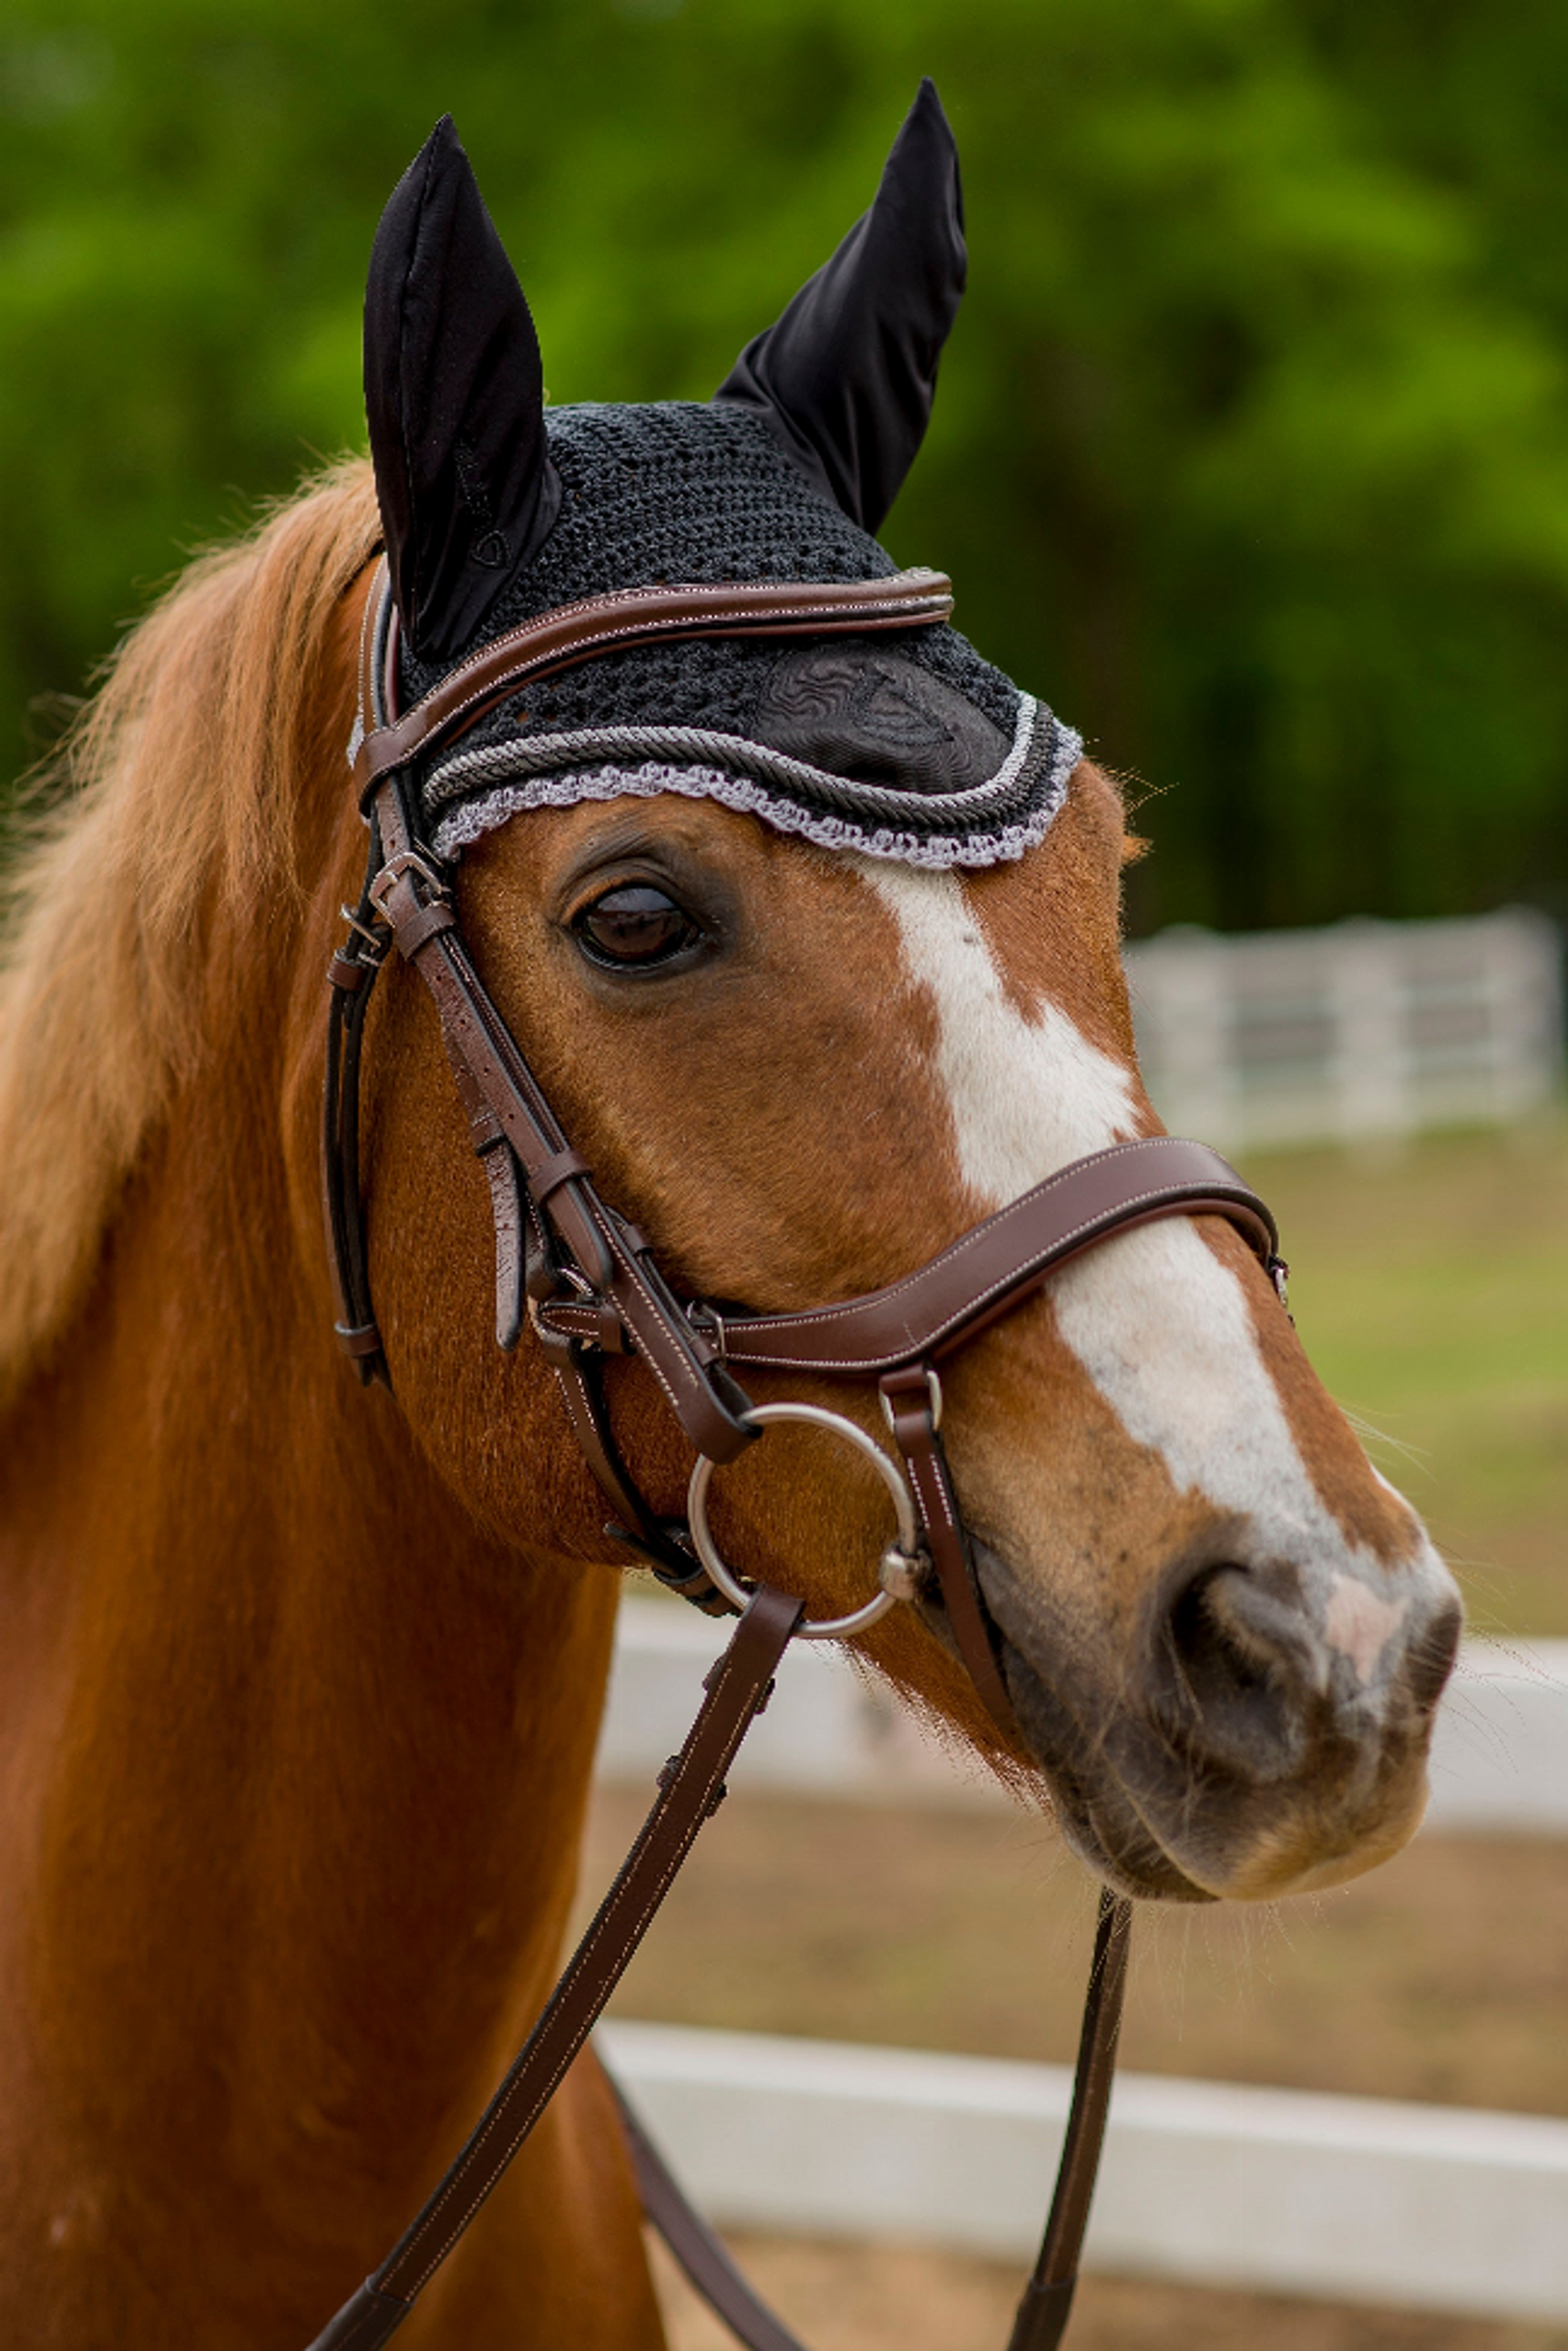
(171, 803)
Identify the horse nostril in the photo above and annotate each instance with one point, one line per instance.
(1238, 1669)
(1430, 1653)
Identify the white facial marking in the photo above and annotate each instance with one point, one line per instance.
(1027, 1095)
(1165, 1332)
(1161, 1327)
(1359, 1624)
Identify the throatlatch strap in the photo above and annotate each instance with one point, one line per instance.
(351, 975)
(693, 1789)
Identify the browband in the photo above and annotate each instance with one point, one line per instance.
(628, 616)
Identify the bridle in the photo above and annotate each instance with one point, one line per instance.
(588, 1283)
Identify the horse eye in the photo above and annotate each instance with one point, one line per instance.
(636, 924)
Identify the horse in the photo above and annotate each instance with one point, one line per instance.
(301, 1678)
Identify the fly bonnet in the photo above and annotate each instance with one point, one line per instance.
(498, 509)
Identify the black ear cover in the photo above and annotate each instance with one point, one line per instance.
(846, 379)
(455, 393)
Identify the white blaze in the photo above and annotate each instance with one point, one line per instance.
(1160, 1326)
(1027, 1095)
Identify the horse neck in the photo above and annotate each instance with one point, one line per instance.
(311, 1752)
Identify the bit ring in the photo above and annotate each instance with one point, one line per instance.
(905, 1550)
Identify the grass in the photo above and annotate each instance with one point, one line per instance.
(1431, 1289)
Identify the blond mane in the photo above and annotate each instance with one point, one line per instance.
(179, 782)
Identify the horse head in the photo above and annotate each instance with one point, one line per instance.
(805, 940)
(813, 947)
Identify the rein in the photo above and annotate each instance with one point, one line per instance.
(588, 1283)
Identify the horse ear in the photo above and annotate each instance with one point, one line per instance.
(454, 392)
(846, 379)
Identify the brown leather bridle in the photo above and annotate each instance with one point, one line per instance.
(589, 1283)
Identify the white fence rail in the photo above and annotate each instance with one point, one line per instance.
(1361, 1031)
(1500, 1761)
(1281, 2191)
(1275, 2191)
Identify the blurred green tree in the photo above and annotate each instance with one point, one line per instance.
(1253, 447)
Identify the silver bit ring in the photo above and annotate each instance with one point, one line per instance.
(904, 1552)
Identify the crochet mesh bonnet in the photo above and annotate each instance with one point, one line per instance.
(497, 509)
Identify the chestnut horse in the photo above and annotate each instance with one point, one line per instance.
(299, 1684)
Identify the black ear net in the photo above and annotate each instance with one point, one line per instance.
(454, 385)
(846, 379)
(455, 396)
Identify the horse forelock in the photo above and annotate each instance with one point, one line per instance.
(170, 808)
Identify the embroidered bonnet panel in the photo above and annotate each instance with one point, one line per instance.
(906, 745)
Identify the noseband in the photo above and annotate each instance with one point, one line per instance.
(588, 1283)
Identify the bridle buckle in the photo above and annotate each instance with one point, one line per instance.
(413, 864)
(708, 1323)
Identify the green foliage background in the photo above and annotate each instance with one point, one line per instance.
(1251, 452)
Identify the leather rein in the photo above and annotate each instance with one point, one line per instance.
(588, 1283)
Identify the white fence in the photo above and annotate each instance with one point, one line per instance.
(1275, 2190)
(1499, 1759)
(1364, 1030)
(1439, 2208)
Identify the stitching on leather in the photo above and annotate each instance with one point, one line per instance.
(933, 1491)
(694, 1379)
(653, 1364)
(983, 1671)
(778, 1325)
(634, 599)
(1030, 1271)
(730, 1667)
(919, 603)
(568, 2055)
(601, 1460)
(464, 1014)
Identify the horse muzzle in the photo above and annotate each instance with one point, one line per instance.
(1268, 1736)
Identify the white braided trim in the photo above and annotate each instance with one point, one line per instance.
(589, 750)
(486, 810)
